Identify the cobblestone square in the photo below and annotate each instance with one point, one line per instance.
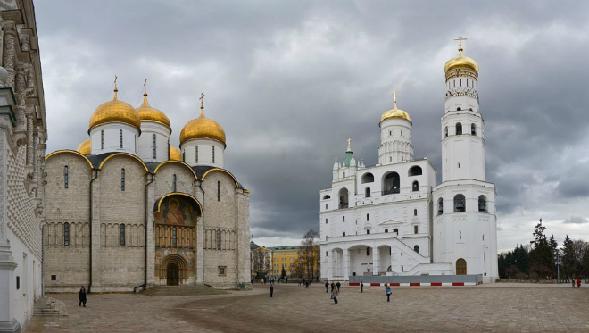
(487, 308)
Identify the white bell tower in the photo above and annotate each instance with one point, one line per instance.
(465, 227)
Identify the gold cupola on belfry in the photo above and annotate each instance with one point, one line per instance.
(395, 113)
(114, 110)
(202, 128)
(175, 153)
(461, 63)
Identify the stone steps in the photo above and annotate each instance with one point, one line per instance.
(49, 306)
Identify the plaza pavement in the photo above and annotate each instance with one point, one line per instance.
(488, 308)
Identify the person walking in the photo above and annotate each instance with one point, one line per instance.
(388, 292)
(573, 281)
(332, 285)
(271, 288)
(334, 295)
(82, 297)
(326, 286)
(337, 285)
(361, 287)
(578, 282)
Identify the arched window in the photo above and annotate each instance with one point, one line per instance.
(473, 129)
(446, 131)
(458, 129)
(415, 212)
(153, 146)
(213, 154)
(367, 192)
(101, 139)
(415, 171)
(218, 190)
(174, 183)
(66, 176)
(343, 198)
(416, 248)
(459, 203)
(367, 178)
(482, 203)
(325, 197)
(195, 154)
(120, 138)
(460, 267)
(391, 183)
(458, 109)
(122, 179)
(66, 234)
(121, 234)
(415, 186)
(440, 206)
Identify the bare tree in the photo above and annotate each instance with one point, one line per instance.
(307, 264)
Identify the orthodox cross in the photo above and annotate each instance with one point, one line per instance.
(202, 101)
(145, 87)
(394, 99)
(115, 82)
(349, 144)
(460, 41)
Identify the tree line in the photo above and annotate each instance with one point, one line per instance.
(544, 259)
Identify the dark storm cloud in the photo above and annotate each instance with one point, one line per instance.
(577, 220)
(291, 80)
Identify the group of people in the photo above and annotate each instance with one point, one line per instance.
(335, 288)
(576, 282)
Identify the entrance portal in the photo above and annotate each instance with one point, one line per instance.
(172, 276)
(460, 267)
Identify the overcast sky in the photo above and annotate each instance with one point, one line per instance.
(291, 80)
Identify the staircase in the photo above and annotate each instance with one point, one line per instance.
(49, 306)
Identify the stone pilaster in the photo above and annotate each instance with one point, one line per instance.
(150, 240)
(199, 265)
(95, 239)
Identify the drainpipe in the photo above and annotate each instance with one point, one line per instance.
(94, 175)
(145, 233)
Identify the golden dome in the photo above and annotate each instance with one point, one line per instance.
(202, 128)
(395, 113)
(114, 111)
(175, 154)
(85, 148)
(148, 113)
(461, 61)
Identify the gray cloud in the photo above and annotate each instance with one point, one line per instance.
(576, 220)
(290, 81)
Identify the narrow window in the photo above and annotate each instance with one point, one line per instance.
(482, 203)
(326, 206)
(416, 248)
(343, 218)
(368, 231)
(120, 138)
(174, 237)
(121, 235)
(459, 203)
(367, 217)
(415, 186)
(174, 183)
(458, 129)
(66, 234)
(327, 253)
(446, 131)
(153, 146)
(122, 179)
(415, 229)
(367, 251)
(101, 139)
(344, 234)
(390, 133)
(218, 190)
(396, 231)
(473, 129)
(66, 176)
(326, 221)
(195, 154)
(440, 206)
(367, 192)
(415, 212)
(213, 153)
(386, 231)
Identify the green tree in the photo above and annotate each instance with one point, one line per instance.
(568, 260)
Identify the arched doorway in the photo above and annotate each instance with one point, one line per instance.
(172, 274)
(460, 267)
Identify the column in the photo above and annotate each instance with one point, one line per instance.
(346, 259)
(375, 260)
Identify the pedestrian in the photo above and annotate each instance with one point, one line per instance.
(361, 287)
(332, 286)
(82, 297)
(326, 286)
(271, 288)
(578, 282)
(338, 285)
(388, 291)
(334, 295)
(307, 283)
(573, 281)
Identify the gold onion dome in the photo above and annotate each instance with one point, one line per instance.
(85, 148)
(148, 113)
(175, 154)
(395, 113)
(461, 61)
(114, 111)
(202, 128)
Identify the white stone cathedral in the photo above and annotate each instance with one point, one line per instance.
(393, 219)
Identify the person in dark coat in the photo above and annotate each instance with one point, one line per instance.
(337, 285)
(388, 292)
(82, 297)
(334, 295)
(361, 287)
(326, 286)
(271, 288)
(332, 286)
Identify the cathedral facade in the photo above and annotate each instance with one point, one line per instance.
(393, 219)
(127, 210)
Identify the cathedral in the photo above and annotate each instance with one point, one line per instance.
(393, 219)
(127, 210)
